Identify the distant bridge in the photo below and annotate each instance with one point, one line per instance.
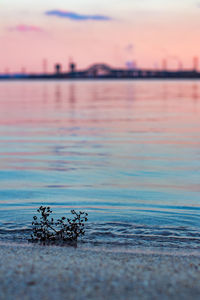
(98, 70)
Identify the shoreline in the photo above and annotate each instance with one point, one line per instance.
(31, 271)
(108, 248)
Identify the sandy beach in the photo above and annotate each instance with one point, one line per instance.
(52, 272)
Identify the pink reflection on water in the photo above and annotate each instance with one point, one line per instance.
(98, 115)
(57, 103)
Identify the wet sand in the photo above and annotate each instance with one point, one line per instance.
(50, 272)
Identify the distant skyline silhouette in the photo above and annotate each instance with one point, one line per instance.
(104, 71)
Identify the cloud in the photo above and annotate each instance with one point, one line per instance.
(25, 28)
(75, 16)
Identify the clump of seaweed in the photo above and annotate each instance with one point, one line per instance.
(46, 229)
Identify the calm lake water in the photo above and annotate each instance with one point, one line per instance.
(127, 152)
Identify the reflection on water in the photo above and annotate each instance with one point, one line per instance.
(125, 151)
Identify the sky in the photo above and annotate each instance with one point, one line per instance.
(115, 32)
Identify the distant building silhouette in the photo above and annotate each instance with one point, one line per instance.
(72, 67)
(57, 69)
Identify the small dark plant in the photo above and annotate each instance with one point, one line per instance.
(45, 229)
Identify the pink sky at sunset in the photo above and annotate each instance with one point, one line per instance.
(89, 31)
